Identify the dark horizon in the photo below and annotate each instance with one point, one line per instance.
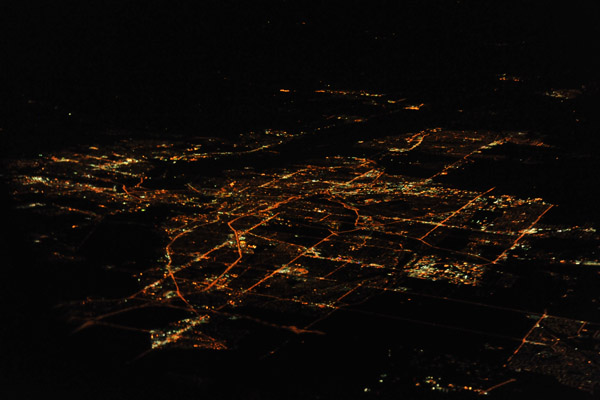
(117, 64)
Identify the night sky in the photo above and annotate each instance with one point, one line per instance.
(155, 64)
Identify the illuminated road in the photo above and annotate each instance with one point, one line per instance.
(288, 246)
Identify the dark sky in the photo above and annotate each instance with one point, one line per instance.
(110, 42)
(115, 61)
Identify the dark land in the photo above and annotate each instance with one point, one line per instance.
(300, 200)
